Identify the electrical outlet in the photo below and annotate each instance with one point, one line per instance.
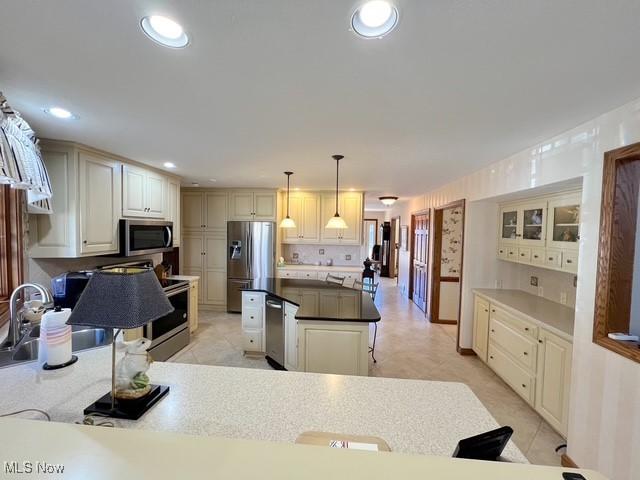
(540, 291)
(321, 251)
(347, 257)
(563, 298)
(534, 281)
(295, 255)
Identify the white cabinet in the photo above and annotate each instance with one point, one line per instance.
(305, 212)
(86, 204)
(350, 208)
(481, 327)
(253, 319)
(554, 380)
(204, 211)
(204, 255)
(290, 337)
(173, 208)
(143, 193)
(543, 231)
(333, 347)
(252, 205)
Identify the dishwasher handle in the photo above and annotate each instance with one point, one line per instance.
(274, 304)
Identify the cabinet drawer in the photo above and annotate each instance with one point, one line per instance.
(570, 261)
(522, 326)
(537, 256)
(282, 273)
(521, 348)
(553, 258)
(521, 381)
(502, 252)
(308, 275)
(252, 317)
(252, 340)
(524, 254)
(252, 299)
(512, 254)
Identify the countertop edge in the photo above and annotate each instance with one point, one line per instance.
(541, 323)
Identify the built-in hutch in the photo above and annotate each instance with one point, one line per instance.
(544, 231)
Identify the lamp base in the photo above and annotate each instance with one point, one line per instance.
(128, 409)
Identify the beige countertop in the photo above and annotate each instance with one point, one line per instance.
(412, 416)
(106, 453)
(323, 268)
(557, 318)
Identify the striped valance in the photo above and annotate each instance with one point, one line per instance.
(21, 164)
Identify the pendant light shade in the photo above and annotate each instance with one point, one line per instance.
(337, 221)
(287, 222)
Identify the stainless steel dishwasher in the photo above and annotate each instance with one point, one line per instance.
(275, 332)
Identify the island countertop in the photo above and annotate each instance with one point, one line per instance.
(319, 300)
(412, 416)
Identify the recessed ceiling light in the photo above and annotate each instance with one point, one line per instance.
(60, 112)
(374, 19)
(164, 31)
(169, 165)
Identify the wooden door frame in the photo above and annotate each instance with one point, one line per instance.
(436, 266)
(392, 236)
(412, 234)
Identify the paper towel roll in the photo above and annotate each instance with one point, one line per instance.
(55, 337)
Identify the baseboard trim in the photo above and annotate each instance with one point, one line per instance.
(466, 351)
(445, 322)
(566, 461)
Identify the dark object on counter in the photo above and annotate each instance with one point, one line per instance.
(368, 272)
(122, 298)
(67, 288)
(274, 324)
(572, 476)
(486, 446)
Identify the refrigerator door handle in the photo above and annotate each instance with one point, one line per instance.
(250, 253)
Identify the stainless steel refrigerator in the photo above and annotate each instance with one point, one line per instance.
(251, 254)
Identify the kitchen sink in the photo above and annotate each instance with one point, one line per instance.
(82, 338)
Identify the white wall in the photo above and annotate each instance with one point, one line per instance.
(604, 424)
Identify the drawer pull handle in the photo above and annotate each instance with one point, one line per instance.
(486, 310)
(539, 341)
(551, 259)
(251, 317)
(535, 256)
(525, 353)
(526, 329)
(522, 254)
(493, 310)
(493, 331)
(569, 261)
(524, 385)
(491, 357)
(250, 341)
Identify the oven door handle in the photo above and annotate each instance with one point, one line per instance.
(168, 236)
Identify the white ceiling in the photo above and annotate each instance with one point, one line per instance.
(268, 86)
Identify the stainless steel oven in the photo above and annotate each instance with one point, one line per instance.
(170, 334)
(141, 237)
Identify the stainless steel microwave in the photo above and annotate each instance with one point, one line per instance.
(141, 237)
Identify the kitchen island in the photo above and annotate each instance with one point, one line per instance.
(324, 326)
(412, 416)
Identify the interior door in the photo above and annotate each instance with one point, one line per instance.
(420, 260)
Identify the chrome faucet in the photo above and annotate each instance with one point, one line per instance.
(15, 332)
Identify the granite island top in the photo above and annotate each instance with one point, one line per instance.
(321, 268)
(319, 300)
(412, 416)
(553, 316)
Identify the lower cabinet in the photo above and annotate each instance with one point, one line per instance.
(349, 277)
(333, 347)
(290, 337)
(194, 298)
(253, 317)
(532, 360)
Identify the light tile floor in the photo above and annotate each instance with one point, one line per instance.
(408, 346)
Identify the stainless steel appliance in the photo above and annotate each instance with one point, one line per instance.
(250, 255)
(141, 237)
(274, 325)
(170, 334)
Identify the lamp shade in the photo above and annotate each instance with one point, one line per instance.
(287, 222)
(121, 298)
(336, 222)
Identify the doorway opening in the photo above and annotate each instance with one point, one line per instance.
(419, 260)
(446, 269)
(370, 236)
(394, 246)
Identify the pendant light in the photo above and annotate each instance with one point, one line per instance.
(337, 221)
(287, 222)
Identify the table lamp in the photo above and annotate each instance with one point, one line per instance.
(120, 298)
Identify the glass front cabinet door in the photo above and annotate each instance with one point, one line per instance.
(564, 222)
(534, 220)
(509, 230)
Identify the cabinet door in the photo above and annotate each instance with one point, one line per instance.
(310, 217)
(216, 211)
(340, 348)
(241, 205)
(215, 271)
(534, 224)
(192, 211)
(264, 206)
(509, 228)
(328, 210)
(481, 327)
(195, 272)
(155, 193)
(294, 235)
(564, 221)
(290, 337)
(215, 249)
(215, 287)
(173, 209)
(554, 379)
(351, 211)
(133, 192)
(192, 253)
(99, 185)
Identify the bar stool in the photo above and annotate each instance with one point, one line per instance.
(338, 280)
(370, 288)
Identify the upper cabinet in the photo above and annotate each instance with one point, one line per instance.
(86, 204)
(543, 231)
(350, 206)
(204, 211)
(173, 208)
(143, 193)
(304, 209)
(252, 205)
